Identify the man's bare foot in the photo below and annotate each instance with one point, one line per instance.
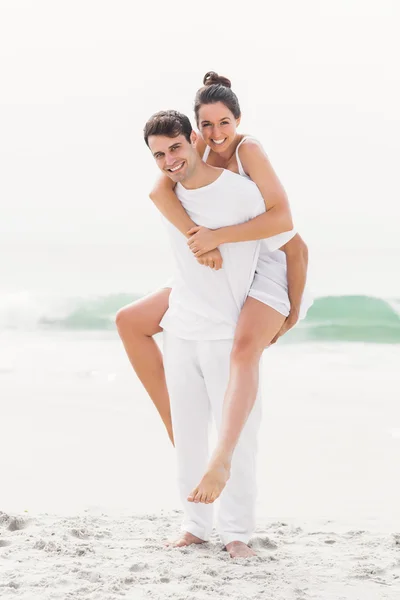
(212, 483)
(186, 539)
(239, 550)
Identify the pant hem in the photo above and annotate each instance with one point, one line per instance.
(199, 532)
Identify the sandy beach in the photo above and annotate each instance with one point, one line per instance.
(102, 556)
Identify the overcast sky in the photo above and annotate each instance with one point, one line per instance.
(319, 85)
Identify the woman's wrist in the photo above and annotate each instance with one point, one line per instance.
(294, 312)
(220, 235)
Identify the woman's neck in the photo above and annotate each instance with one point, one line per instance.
(226, 156)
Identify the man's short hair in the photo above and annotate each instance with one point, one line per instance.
(170, 123)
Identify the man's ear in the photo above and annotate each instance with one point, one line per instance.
(193, 137)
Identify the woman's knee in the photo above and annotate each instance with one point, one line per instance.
(246, 349)
(129, 319)
(143, 316)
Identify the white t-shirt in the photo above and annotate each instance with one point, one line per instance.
(205, 304)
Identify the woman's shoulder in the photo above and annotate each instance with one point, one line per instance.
(249, 149)
(249, 144)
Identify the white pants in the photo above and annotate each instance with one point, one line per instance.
(197, 374)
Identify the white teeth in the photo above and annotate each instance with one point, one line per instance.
(219, 141)
(176, 168)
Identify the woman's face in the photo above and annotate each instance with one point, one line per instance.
(217, 126)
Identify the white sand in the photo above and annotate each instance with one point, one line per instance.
(100, 556)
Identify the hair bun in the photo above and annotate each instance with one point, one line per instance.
(212, 78)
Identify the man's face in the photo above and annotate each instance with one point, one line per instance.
(176, 157)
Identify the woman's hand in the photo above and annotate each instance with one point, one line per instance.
(202, 240)
(289, 322)
(212, 259)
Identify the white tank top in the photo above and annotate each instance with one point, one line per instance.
(276, 241)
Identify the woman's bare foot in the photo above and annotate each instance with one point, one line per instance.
(186, 539)
(212, 483)
(239, 550)
(171, 435)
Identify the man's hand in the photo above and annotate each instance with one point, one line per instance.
(211, 259)
(289, 322)
(202, 240)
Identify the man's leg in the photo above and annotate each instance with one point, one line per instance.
(191, 413)
(236, 515)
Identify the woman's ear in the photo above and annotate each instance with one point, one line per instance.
(238, 121)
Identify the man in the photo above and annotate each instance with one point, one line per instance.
(199, 327)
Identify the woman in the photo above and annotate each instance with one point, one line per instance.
(274, 303)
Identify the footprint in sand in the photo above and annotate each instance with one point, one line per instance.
(4, 518)
(137, 567)
(355, 533)
(81, 534)
(211, 572)
(368, 571)
(264, 542)
(300, 594)
(396, 539)
(17, 524)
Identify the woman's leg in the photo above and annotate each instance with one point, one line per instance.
(257, 325)
(136, 324)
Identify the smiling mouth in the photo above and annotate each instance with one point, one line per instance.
(219, 142)
(177, 168)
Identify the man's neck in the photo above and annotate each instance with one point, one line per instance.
(203, 175)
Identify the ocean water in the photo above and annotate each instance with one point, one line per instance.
(78, 429)
(80, 287)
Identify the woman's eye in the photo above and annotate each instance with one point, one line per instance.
(224, 123)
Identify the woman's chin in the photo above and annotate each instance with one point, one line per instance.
(219, 147)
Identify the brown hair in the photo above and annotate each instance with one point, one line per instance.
(167, 122)
(216, 88)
